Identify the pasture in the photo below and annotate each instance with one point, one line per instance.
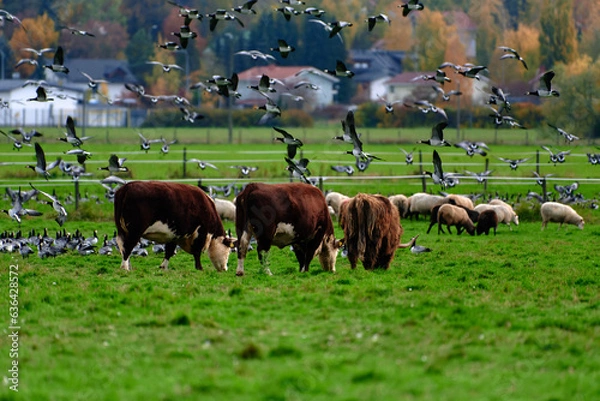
(515, 316)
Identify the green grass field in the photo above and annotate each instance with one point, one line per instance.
(510, 317)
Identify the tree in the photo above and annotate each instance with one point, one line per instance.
(491, 21)
(526, 40)
(110, 40)
(431, 39)
(577, 109)
(139, 50)
(39, 34)
(558, 41)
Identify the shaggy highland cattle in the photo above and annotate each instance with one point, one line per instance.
(285, 214)
(372, 230)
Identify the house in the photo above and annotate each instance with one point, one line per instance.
(290, 76)
(372, 68)
(71, 95)
(410, 86)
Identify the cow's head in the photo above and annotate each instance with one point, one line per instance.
(219, 249)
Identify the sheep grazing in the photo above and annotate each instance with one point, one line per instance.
(473, 215)
(422, 203)
(511, 213)
(225, 209)
(334, 200)
(401, 203)
(459, 200)
(488, 219)
(504, 212)
(451, 215)
(559, 213)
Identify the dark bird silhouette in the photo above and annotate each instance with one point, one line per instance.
(292, 143)
(58, 63)
(545, 88)
(410, 6)
(71, 136)
(340, 70)
(41, 167)
(437, 136)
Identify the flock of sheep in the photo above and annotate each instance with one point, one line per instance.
(459, 211)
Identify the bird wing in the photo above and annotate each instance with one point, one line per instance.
(546, 80)
(71, 127)
(40, 156)
(437, 165)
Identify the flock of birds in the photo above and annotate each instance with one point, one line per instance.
(266, 86)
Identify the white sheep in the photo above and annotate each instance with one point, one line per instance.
(335, 199)
(225, 209)
(401, 203)
(505, 214)
(559, 213)
(422, 203)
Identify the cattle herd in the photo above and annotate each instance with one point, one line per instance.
(298, 215)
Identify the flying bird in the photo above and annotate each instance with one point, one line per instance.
(514, 163)
(41, 167)
(283, 48)
(245, 8)
(545, 88)
(93, 83)
(437, 135)
(410, 6)
(17, 144)
(438, 173)
(165, 67)
(298, 169)
(58, 62)
(340, 70)
(71, 136)
(221, 15)
(343, 169)
(568, 137)
(203, 164)
(115, 165)
(333, 28)
(408, 156)
(512, 53)
(292, 143)
(372, 20)
(56, 205)
(40, 96)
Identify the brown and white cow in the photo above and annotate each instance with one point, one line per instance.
(172, 214)
(372, 230)
(285, 214)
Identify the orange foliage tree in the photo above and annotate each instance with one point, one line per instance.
(40, 33)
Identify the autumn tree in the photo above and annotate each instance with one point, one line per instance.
(577, 109)
(39, 34)
(430, 39)
(160, 82)
(526, 40)
(491, 21)
(558, 40)
(587, 21)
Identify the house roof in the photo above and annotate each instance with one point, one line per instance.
(115, 71)
(280, 72)
(372, 64)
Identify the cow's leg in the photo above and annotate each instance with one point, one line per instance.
(126, 243)
(197, 262)
(263, 247)
(243, 242)
(352, 258)
(169, 252)
(302, 256)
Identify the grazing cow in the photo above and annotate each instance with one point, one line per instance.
(172, 214)
(285, 214)
(372, 230)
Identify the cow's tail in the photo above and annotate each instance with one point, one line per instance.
(119, 203)
(241, 219)
(363, 222)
